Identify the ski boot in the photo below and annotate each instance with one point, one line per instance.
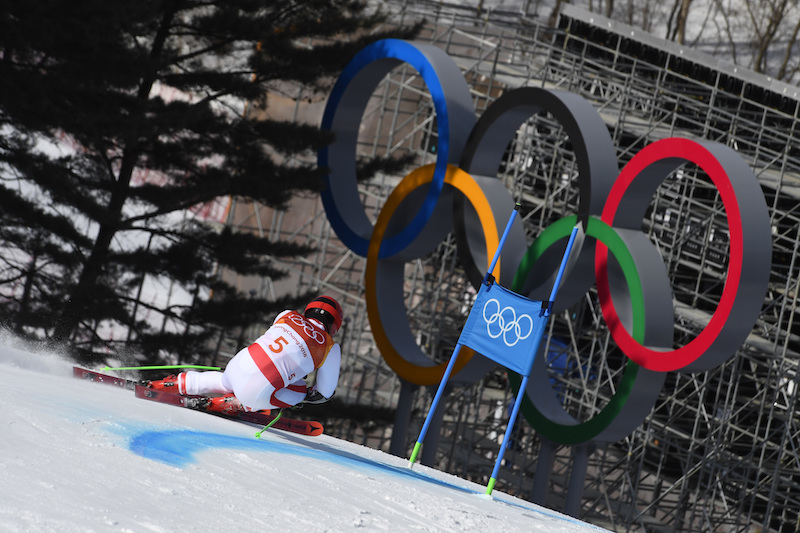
(226, 405)
(173, 383)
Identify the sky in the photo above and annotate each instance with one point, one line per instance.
(77, 456)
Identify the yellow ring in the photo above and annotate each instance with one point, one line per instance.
(464, 183)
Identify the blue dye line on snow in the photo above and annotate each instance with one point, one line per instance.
(179, 448)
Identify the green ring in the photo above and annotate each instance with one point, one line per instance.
(584, 431)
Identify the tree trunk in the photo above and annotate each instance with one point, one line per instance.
(81, 296)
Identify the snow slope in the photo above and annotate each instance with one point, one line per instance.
(80, 456)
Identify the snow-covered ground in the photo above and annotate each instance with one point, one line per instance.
(80, 456)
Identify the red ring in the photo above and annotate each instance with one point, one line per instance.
(666, 361)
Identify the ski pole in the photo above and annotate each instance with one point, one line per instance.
(271, 422)
(161, 367)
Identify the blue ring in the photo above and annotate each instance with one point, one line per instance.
(436, 69)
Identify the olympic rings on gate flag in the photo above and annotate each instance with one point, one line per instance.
(500, 323)
(460, 193)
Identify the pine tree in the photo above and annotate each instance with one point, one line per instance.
(94, 95)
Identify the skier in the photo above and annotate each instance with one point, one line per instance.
(271, 372)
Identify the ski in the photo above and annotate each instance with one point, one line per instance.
(303, 427)
(97, 377)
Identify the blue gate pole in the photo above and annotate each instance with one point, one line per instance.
(502, 242)
(507, 435)
(562, 266)
(453, 357)
(524, 384)
(432, 410)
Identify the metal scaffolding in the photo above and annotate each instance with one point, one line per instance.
(720, 450)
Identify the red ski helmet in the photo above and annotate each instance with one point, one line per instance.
(326, 310)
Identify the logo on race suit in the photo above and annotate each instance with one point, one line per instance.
(309, 329)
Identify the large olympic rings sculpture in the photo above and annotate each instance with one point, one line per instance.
(460, 193)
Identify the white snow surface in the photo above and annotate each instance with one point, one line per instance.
(81, 456)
